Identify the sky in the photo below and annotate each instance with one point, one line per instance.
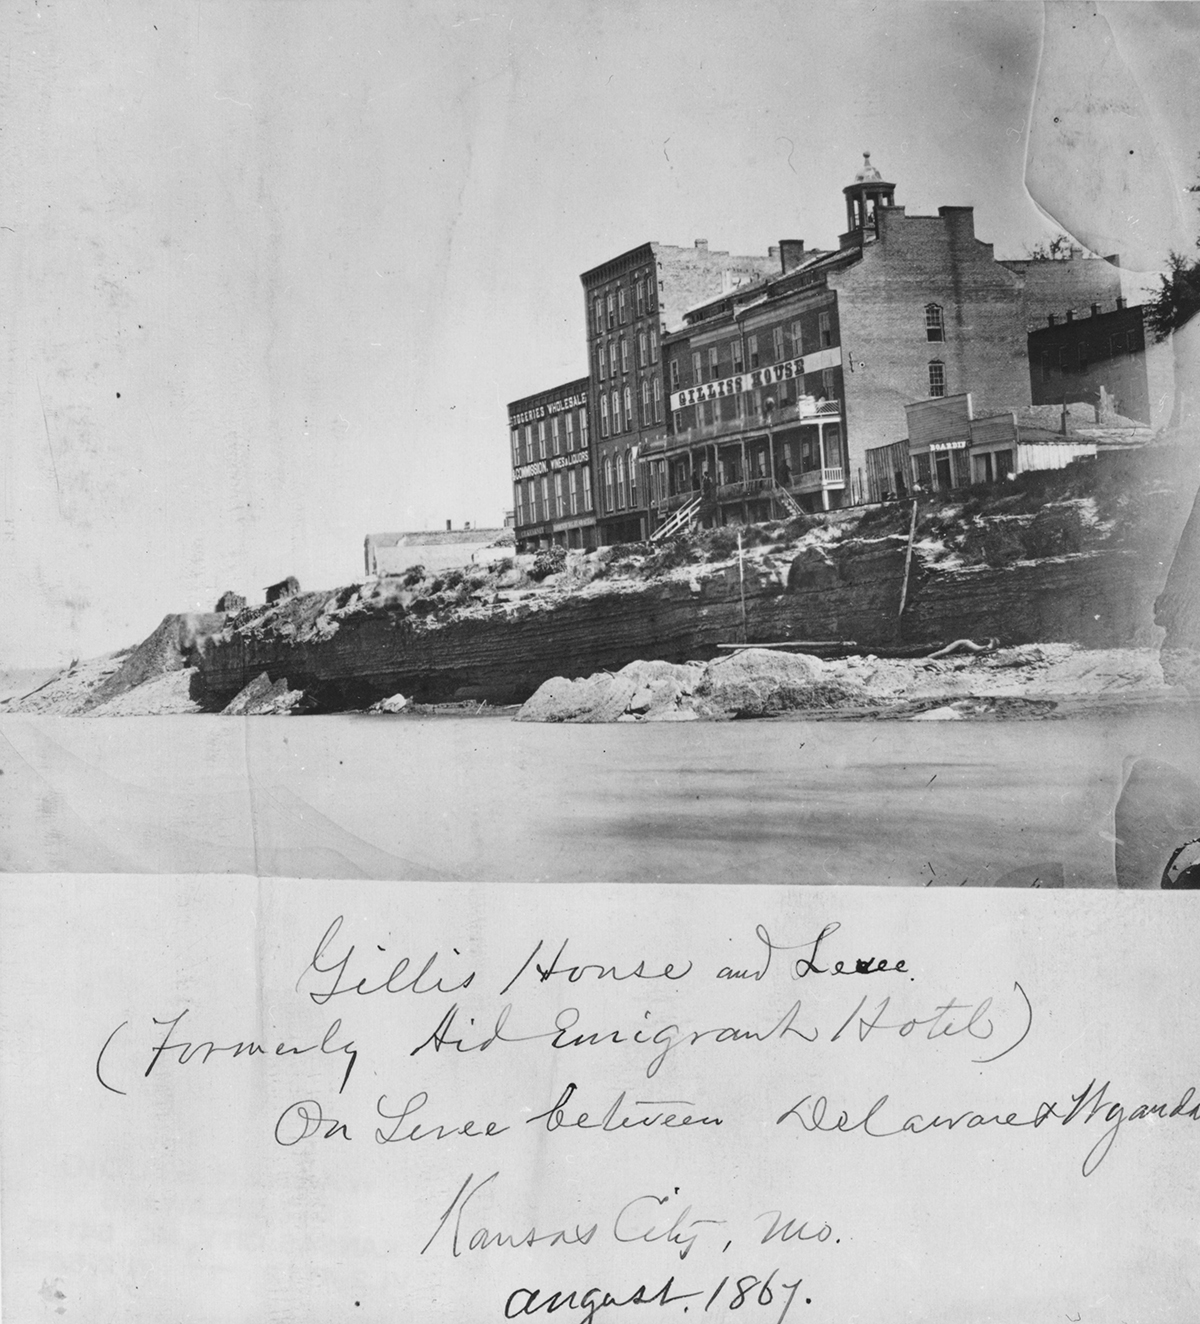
(270, 270)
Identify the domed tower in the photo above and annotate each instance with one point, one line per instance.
(864, 198)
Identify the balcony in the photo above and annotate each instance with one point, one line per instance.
(816, 479)
(805, 410)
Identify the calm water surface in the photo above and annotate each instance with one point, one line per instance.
(487, 798)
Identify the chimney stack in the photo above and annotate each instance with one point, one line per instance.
(791, 254)
(1051, 320)
(1070, 314)
(1120, 302)
(702, 245)
(448, 526)
(1095, 310)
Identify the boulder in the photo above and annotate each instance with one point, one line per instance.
(264, 698)
(395, 704)
(758, 682)
(642, 691)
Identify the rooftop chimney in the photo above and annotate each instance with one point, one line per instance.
(1051, 320)
(448, 526)
(1070, 314)
(773, 250)
(702, 245)
(791, 253)
(1095, 310)
(1120, 301)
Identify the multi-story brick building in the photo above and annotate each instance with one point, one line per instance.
(1099, 359)
(631, 301)
(551, 467)
(780, 390)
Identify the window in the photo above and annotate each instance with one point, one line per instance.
(598, 310)
(583, 428)
(621, 481)
(624, 354)
(569, 425)
(653, 345)
(519, 502)
(755, 402)
(601, 358)
(612, 358)
(586, 482)
(542, 439)
(797, 340)
(516, 445)
(674, 374)
(937, 377)
(545, 498)
(624, 310)
(934, 328)
(735, 356)
(616, 412)
(827, 383)
(642, 355)
(530, 501)
(645, 403)
(554, 433)
(752, 351)
(641, 298)
(604, 415)
(824, 330)
(709, 415)
(633, 484)
(658, 401)
(629, 408)
(608, 483)
(652, 293)
(1064, 358)
(777, 335)
(714, 363)
(612, 312)
(573, 490)
(677, 421)
(559, 504)
(696, 377)
(528, 443)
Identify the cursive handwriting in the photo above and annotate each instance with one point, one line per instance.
(574, 973)
(398, 980)
(803, 966)
(204, 1050)
(436, 1131)
(815, 1114)
(555, 1117)
(484, 1238)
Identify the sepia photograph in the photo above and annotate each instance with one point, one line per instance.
(614, 507)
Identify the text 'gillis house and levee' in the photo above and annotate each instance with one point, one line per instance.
(726, 389)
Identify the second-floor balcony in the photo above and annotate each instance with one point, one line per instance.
(743, 489)
(803, 411)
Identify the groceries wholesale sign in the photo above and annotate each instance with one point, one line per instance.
(743, 382)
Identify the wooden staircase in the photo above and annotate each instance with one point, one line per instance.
(681, 519)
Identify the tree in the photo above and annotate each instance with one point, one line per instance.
(1057, 249)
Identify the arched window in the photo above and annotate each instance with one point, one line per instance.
(935, 328)
(631, 461)
(621, 481)
(608, 482)
(937, 377)
(604, 416)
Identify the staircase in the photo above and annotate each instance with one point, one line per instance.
(683, 517)
(786, 500)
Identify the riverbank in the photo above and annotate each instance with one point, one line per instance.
(1069, 563)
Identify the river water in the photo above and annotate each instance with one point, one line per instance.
(490, 799)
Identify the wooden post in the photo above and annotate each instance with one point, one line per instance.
(912, 532)
(742, 583)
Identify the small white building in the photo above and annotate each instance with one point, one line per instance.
(442, 549)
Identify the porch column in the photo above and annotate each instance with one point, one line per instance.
(821, 452)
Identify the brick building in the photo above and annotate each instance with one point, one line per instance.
(549, 438)
(779, 391)
(1099, 359)
(630, 302)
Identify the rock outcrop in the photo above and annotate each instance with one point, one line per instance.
(264, 698)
